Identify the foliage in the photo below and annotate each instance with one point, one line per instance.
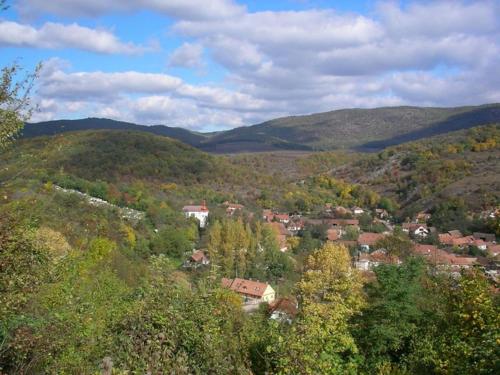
(239, 249)
(15, 105)
(330, 293)
(385, 329)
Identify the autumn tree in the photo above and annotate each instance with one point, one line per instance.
(330, 293)
(15, 104)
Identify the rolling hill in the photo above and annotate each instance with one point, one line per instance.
(360, 129)
(62, 126)
(356, 129)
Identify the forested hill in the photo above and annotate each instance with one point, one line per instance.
(356, 128)
(62, 126)
(359, 129)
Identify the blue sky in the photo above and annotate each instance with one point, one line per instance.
(224, 63)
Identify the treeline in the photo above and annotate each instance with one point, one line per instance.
(247, 250)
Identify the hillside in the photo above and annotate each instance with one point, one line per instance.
(356, 129)
(362, 129)
(419, 175)
(62, 126)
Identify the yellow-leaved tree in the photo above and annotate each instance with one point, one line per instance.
(330, 293)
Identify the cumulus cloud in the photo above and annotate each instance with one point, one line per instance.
(189, 55)
(185, 9)
(440, 53)
(55, 36)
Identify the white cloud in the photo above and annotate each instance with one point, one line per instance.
(440, 53)
(185, 9)
(55, 36)
(189, 55)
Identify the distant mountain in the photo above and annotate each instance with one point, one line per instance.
(361, 129)
(62, 126)
(358, 129)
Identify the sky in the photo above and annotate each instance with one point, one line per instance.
(210, 65)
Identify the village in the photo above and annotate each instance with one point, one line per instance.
(363, 232)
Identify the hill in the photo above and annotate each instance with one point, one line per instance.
(422, 174)
(355, 129)
(61, 126)
(361, 129)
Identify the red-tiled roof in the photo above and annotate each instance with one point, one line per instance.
(462, 241)
(438, 256)
(455, 233)
(342, 222)
(445, 239)
(195, 209)
(234, 206)
(494, 249)
(285, 305)
(246, 287)
(369, 238)
(198, 256)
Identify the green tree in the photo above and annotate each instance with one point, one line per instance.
(398, 245)
(386, 327)
(15, 104)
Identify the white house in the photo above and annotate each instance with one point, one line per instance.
(417, 230)
(198, 212)
(357, 211)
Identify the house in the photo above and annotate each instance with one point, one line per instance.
(366, 262)
(487, 237)
(368, 240)
(480, 244)
(381, 213)
(198, 212)
(253, 292)
(231, 208)
(267, 215)
(296, 226)
(282, 218)
(358, 211)
(447, 238)
(462, 242)
(493, 249)
(333, 234)
(197, 259)
(442, 258)
(343, 223)
(283, 310)
(416, 230)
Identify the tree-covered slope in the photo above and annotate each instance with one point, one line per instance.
(62, 126)
(358, 128)
(462, 164)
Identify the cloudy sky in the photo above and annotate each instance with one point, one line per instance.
(218, 64)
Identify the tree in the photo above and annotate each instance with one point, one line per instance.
(398, 245)
(385, 329)
(330, 293)
(464, 339)
(15, 103)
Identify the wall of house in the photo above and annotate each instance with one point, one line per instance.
(200, 216)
